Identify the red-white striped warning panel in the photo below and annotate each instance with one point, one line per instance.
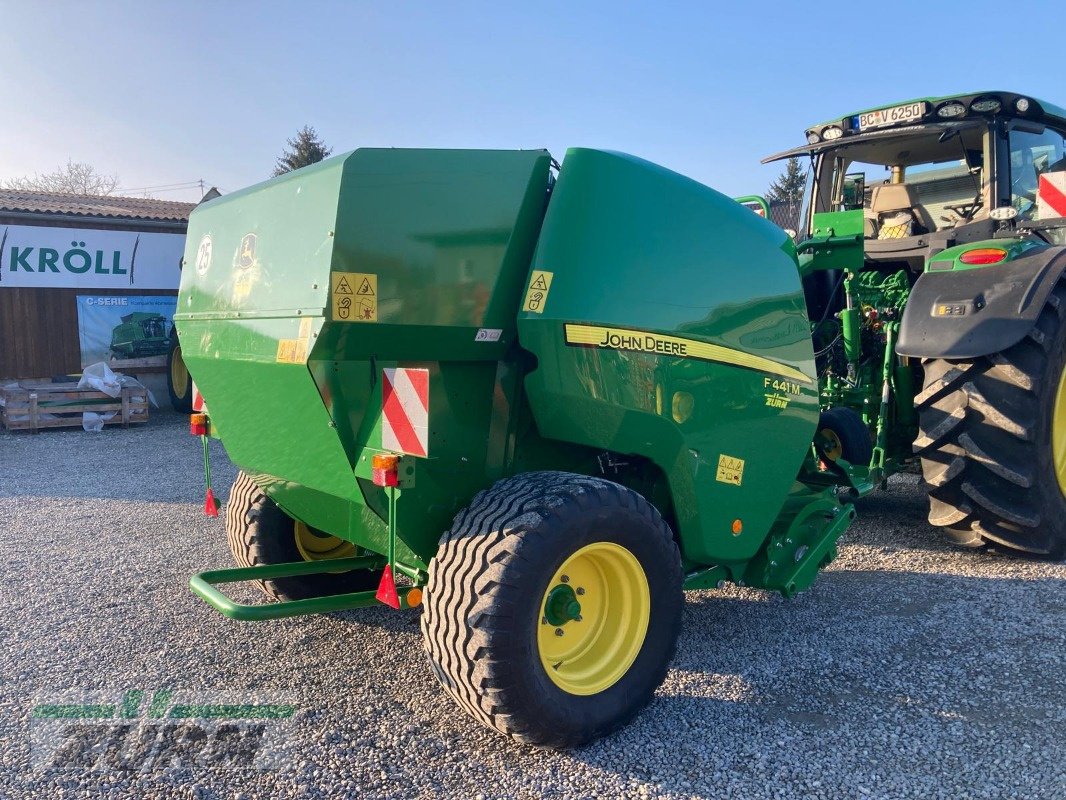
(198, 400)
(405, 411)
(1052, 195)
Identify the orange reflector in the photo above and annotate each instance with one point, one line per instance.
(983, 255)
(198, 424)
(738, 527)
(414, 597)
(385, 461)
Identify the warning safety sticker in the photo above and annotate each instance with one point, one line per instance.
(730, 469)
(354, 297)
(540, 282)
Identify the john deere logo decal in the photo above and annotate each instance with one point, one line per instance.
(246, 257)
(246, 269)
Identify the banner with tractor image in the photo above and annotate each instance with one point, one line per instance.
(125, 331)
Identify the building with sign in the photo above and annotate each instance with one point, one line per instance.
(86, 279)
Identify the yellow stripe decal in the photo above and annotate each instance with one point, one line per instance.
(662, 345)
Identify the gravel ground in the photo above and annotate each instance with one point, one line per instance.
(911, 669)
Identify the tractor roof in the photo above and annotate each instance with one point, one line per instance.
(925, 112)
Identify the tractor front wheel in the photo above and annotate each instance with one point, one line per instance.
(553, 607)
(993, 441)
(261, 533)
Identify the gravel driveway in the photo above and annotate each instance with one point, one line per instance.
(911, 669)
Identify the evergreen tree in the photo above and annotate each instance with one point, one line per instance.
(788, 187)
(304, 149)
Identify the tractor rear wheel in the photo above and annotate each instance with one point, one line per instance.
(261, 533)
(992, 441)
(179, 384)
(553, 607)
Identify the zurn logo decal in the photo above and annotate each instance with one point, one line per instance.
(140, 731)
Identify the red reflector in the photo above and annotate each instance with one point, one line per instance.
(983, 255)
(387, 589)
(386, 477)
(211, 504)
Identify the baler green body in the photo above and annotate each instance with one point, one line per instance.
(670, 350)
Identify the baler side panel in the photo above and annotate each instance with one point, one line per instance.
(674, 328)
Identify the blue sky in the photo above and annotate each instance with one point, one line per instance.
(167, 92)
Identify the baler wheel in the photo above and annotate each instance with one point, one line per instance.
(992, 441)
(179, 384)
(261, 533)
(553, 607)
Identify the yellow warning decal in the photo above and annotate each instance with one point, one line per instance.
(354, 297)
(540, 282)
(294, 351)
(287, 349)
(659, 344)
(730, 470)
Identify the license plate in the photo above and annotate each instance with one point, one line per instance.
(891, 116)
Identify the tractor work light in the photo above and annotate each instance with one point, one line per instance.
(198, 424)
(986, 105)
(951, 110)
(832, 132)
(1021, 105)
(813, 138)
(385, 469)
(983, 255)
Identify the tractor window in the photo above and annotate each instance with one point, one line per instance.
(153, 328)
(939, 175)
(1031, 155)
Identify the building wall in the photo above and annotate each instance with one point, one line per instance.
(39, 326)
(39, 331)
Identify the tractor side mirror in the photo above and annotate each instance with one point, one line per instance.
(854, 193)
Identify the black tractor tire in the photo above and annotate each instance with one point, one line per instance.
(261, 533)
(179, 386)
(986, 442)
(484, 603)
(856, 446)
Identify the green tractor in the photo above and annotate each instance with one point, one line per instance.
(931, 244)
(140, 334)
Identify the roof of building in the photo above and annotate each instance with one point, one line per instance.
(79, 205)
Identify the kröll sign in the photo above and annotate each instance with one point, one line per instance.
(82, 258)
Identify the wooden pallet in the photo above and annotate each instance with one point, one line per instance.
(31, 407)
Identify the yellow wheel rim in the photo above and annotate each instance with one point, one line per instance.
(316, 546)
(593, 618)
(832, 447)
(179, 374)
(1058, 433)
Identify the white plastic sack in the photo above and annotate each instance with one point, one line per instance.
(93, 422)
(99, 376)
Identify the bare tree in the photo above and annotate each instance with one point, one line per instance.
(74, 178)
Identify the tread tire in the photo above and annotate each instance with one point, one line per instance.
(482, 604)
(856, 446)
(985, 442)
(180, 396)
(259, 532)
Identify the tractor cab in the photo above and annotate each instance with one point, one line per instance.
(926, 175)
